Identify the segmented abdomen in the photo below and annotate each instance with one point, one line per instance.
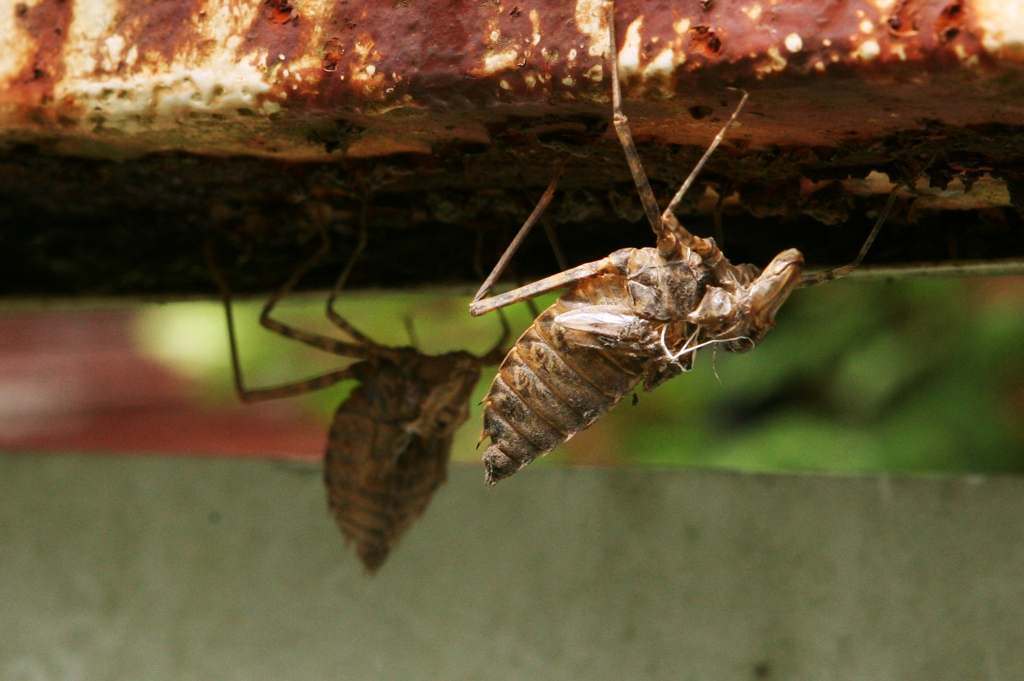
(382, 466)
(379, 479)
(548, 389)
(387, 452)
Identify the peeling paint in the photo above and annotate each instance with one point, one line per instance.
(775, 62)
(662, 65)
(209, 74)
(535, 26)
(867, 51)
(1003, 24)
(629, 55)
(202, 75)
(499, 61)
(591, 20)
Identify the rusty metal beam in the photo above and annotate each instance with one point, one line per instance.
(155, 124)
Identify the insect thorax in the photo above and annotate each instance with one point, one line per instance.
(663, 290)
(647, 285)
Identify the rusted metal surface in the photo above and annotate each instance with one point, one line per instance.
(256, 76)
(462, 106)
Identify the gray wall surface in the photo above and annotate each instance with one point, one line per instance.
(215, 569)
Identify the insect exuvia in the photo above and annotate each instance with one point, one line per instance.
(388, 446)
(638, 315)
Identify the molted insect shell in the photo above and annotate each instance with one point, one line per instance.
(593, 346)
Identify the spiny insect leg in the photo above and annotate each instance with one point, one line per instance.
(275, 392)
(499, 269)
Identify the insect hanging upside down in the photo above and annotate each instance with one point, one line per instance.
(389, 443)
(638, 315)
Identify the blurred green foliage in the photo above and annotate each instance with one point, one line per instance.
(909, 376)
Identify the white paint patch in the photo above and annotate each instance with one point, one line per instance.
(794, 43)
(867, 51)
(219, 76)
(866, 26)
(629, 55)
(18, 47)
(113, 48)
(884, 5)
(681, 26)
(662, 65)
(591, 20)
(499, 61)
(776, 62)
(535, 23)
(1003, 24)
(754, 12)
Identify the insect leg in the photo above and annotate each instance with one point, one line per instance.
(547, 285)
(325, 343)
(549, 193)
(261, 394)
(839, 272)
(844, 270)
(674, 203)
(332, 314)
(621, 124)
(556, 246)
(671, 235)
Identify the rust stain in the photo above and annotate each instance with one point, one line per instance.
(450, 54)
(158, 30)
(421, 54)
(738, 41)
(454, 64)
(47, 22)
(281, 29)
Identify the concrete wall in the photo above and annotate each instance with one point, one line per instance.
(213, 569)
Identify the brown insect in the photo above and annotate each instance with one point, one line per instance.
(637, 315)
(388, 446)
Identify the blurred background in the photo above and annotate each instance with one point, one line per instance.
(859, 375)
